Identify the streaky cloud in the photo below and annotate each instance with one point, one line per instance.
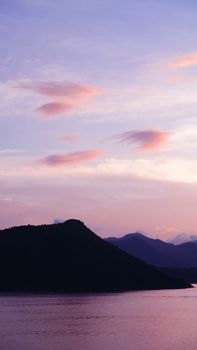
(53, 108)
(175, 78)
(66, 95)
(61, 89)
(147, 140)
(70, 158)
(184, 61)
(69, 138)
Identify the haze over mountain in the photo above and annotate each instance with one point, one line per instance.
(156, 251)
(68, 257)
(183, 238)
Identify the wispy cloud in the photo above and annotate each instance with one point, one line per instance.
(184, 61)
(12, 151)
(175, 78)
(67, 95)
(52, 108)
(70, 158)
(183, 78)
(146, 139)
(69, 138)
(61, 89)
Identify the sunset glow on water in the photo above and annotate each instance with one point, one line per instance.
(98, 174)
(138, 320)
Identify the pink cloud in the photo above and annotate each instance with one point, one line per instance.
(69, 138)
(184, 78)
(71, 158)
(184, 61)
(66, 95)
(61, 89)
(146, 139)
(52, 108)
(175, 78)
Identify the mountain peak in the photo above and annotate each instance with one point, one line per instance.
(75, 222)
(134, 234)
(69, 257)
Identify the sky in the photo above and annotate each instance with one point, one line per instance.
(98, 114)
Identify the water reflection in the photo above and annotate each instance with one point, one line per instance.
(138, 320)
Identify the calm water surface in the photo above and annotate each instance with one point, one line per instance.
(148, 320)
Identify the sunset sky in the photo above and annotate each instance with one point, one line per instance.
(98, 114)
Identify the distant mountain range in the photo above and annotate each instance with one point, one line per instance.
(68, 257)
(156, 251)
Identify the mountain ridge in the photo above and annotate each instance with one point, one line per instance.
(156, 251)
(69, 257)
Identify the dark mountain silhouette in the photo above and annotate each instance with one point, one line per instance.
(157, 252)
(68, 257)
(186, 274)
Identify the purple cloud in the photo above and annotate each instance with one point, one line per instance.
(52, 108)
(146, 139)
(62, 93)
(70, 158)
